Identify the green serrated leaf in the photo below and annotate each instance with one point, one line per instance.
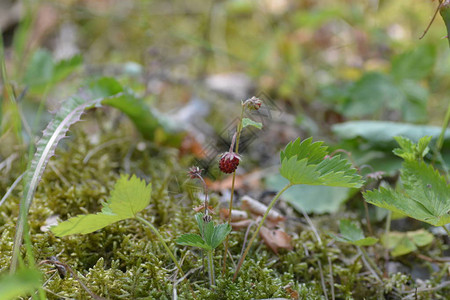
(220, 233)
(425, 195)
(352, 234)
(194, 240)
(410, 151)
(306, 163)
(249, 122)
(200, 223)
(128, 197)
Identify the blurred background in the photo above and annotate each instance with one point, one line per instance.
(318, 63)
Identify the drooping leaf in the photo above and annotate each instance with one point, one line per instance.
(249, 122)
(193, 240)
(352, 234)
(425, 195)
(144, 118)
(128, 197)
(306, 163)
(68, 114)
(401, 243)
(20, 284)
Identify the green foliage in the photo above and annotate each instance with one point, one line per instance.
(43, 72)
(415, 64)
(352, 234)
(401, 243)
(399, 90)
(143, 117)
(382, 133)
(211, 236)
(249, 122)
(128, 197)
(20, 284)
(306, 163)
(410, 151)
(425, 193)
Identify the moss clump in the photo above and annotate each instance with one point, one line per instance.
(126, 261)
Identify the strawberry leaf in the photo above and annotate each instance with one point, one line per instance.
(128, 197)
(194, 240)
(352, 234)
(425, 195)
(306, 163)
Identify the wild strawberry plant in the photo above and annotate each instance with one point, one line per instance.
(307, 162)
(424, 194)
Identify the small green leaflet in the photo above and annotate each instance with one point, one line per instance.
(352, 234)
(249, 122)
(128, 197)
(306, 163)
(410, 151)
(401, 243)
(424, 197)
(213, 236)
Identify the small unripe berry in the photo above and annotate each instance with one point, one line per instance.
(229, 162)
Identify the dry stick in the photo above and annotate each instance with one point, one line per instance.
(432, 19)
(274, 200)
(236, 136)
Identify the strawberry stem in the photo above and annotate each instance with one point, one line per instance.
(236, 137)
(274, 200)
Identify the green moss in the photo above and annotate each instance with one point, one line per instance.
(126, 261)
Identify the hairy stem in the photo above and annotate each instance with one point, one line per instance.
(274, 200)
(212, 279)
(156, 232)
(371, 262)
(238, 136)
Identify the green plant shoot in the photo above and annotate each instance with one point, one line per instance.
(425, 193)
(211, 237)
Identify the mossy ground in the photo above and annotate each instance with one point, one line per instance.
(126, 261)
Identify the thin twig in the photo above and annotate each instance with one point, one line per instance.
(12, 187)
(441, 2)
(322, 280)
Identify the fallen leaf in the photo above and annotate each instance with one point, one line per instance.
(275, 239)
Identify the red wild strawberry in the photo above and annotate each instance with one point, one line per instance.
(229, 162)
